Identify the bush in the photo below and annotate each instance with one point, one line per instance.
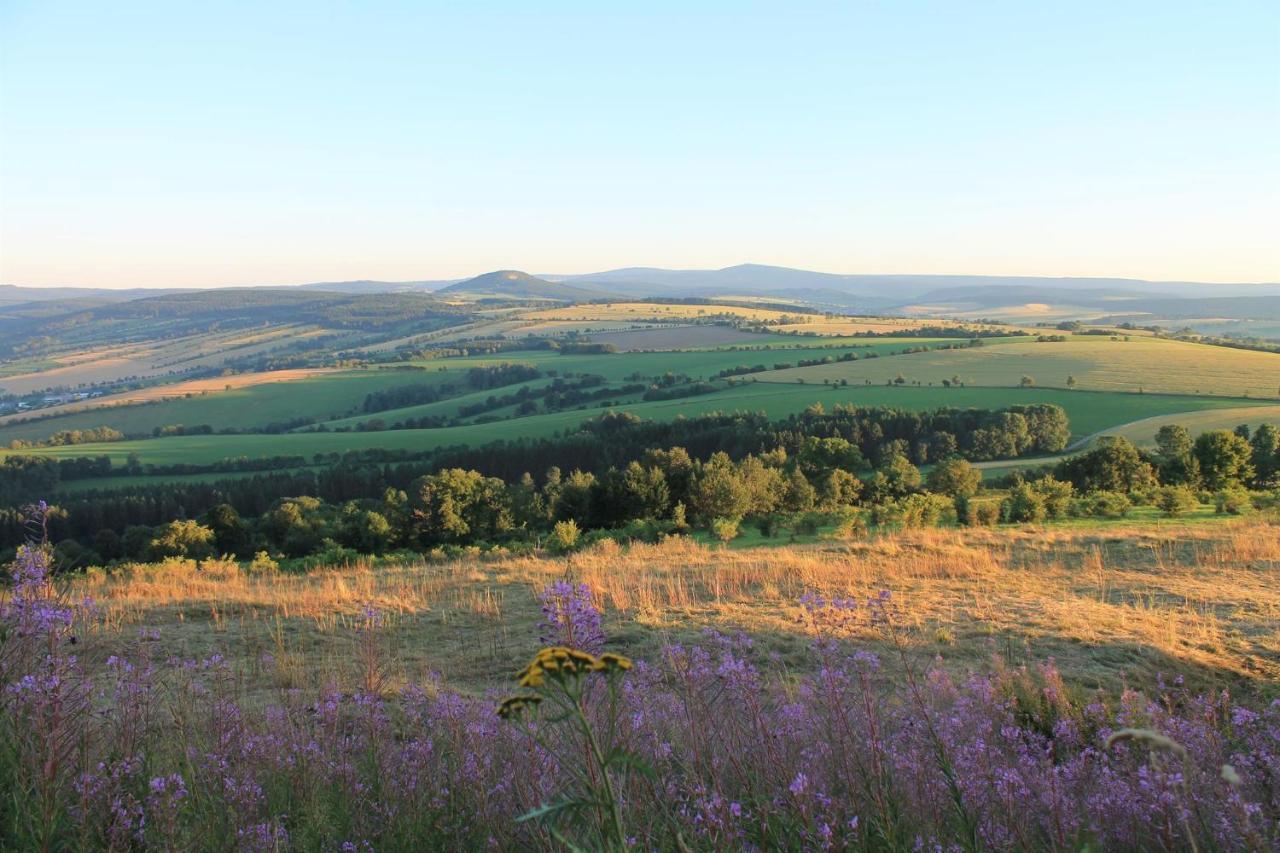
(1233, 501)
(1024, 505)
(263, 564)
(1107, 504)
(850, 524)
(725, 529)
(564, 536)
(982, 513)
(1176, 500)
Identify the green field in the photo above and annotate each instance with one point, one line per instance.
(1089, 412)
(322, 397)
(1097, 363)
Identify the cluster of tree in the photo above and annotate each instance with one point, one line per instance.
(586, 348)
(71, 436)
(815, 444)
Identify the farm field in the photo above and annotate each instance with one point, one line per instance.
(1088, 412)
(337, 394)
(1152, 365)
(81, 367)
(254, 400)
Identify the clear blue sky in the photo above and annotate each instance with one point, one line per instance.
(182, 143)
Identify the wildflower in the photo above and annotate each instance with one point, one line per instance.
(570, 617)
(610, 662)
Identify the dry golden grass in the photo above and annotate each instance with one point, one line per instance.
(1110, 606)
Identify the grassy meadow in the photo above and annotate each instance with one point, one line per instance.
(1112, 604)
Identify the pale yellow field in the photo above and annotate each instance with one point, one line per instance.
(1111, 605)
(655, 311)
(1097, 363)
(878, 325)
(150, 360)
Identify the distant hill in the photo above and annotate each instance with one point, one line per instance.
(370, 286)
(521, 285)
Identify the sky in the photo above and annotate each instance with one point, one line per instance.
(206, 144)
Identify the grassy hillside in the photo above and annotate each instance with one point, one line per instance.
(1114, 605)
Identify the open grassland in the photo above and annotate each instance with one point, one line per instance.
(1112, 606)
(1100, 364)
(1088, 412)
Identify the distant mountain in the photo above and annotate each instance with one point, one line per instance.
(900, 288)
(12, 294)
(521, 285)
(369, 286)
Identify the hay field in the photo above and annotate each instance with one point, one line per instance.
(1101, 364)
(1111, 606)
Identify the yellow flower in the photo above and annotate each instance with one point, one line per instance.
(513, 705)
(532, 676)
(610, 661)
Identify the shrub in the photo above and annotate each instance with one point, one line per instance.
(982, 513)
(1232, 501)
(263, 564)
(1024, 505)
(1107, 504)
(564, 536)
(725, 529)
(1174, 501)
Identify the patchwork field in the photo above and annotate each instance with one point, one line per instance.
(1140, 364)
(1088, 412)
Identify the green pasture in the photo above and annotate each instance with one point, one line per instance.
(326, 396)
(1089, 412)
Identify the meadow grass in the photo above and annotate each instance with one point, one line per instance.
(1114, 604)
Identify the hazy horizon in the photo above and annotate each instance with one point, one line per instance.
(442, 278)
(147, 145)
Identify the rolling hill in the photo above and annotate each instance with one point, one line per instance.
(521, 285)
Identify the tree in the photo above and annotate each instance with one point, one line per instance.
(457, 505)
(901, 477)
(1027, 382)
(365, 530)
(1176, 463)
(954, 478)
(717, 491)
(1114, 465)
(182, 539)
(839, 488)
(798, 495)
(1071, 382)
(230, 534)
(1224, 459)
(1264, 455)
